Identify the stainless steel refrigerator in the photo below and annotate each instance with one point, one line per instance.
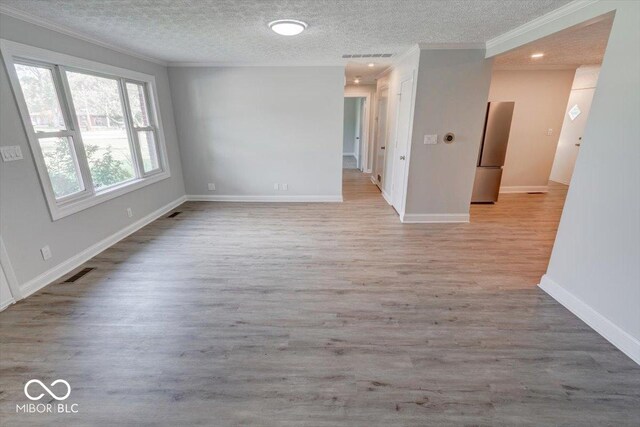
(492, 152)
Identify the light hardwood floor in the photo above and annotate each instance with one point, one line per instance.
(320, 315)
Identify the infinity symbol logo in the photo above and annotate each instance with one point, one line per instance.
(52, 394)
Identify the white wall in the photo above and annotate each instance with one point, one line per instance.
(349, 125)
(582, 91)
(25, 223)
(452, 91)
(246, 128)
(541, 99)
(594, 268)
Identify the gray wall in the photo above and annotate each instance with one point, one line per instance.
(541, 100)
(452, 91)
(349, 127)
(597, 251)
(246, 128)
(25, 223)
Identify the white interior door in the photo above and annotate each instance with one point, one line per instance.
(381, 137)
(571, 135)
(403, 133)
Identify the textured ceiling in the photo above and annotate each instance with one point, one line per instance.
(579, 45)
(235, 31)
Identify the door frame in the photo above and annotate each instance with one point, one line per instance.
(377, 143)
(9, 274)
(403, 196)
(366, 122)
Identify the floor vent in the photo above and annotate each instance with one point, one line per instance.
(78, 275)
(367, 55)
(175, 214)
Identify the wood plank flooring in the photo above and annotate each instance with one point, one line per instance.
(319, 315)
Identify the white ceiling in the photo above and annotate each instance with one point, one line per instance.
(235, 31)
(575, 46)
(362, 71)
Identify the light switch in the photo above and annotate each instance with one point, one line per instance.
(11, 153)
(430, 139)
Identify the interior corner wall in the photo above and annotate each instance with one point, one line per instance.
(25, 222)
(452, 92)
(540, 98)
(594, 268)
(246, 128)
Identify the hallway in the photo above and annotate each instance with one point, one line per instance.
(320, 314)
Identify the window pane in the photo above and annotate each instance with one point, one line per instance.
(104, 134)
(138, 104)
(148, 149)
(61, 165)
(41, 98)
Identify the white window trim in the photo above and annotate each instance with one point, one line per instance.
(12, 52)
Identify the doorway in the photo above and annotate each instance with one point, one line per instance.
(380, 136)
(352, 137)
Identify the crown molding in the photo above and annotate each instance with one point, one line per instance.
(23, 16)
(451, 46)
(538, 22)
(179, 64)
(536, 67)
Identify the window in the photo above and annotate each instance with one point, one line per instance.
(94, 129)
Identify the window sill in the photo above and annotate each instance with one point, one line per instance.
(62, 210)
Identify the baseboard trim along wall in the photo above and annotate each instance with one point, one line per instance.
(75, 261)
(386, 197)
(264, 199)
(7, 303)
(525, 189)
(433, 218)
(612, 333)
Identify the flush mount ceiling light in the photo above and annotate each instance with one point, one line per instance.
(288, 27)
(537, 55)
(357, 80)
(372, 65)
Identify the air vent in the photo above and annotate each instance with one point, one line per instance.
(367, 55)
(78, 275)
(175, 214)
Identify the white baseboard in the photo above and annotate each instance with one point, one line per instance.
(611, 332)
(433, 218)
(75, 261)
(525, 189)
(7, 303)
(386, 196)
(373, 180)
(263, 199)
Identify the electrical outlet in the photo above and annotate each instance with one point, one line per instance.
(46, 252)
(129, 212)
(549, 132)
(430, 139)
(276, 187)
(11, 153)
(212, 186)
(285, 187)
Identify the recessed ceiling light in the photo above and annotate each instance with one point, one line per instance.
(537, 55)
(356, 81)
(372, 64)
(288, 27)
